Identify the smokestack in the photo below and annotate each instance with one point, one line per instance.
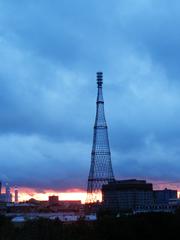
(16, 195)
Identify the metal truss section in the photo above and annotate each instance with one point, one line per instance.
(101, 171)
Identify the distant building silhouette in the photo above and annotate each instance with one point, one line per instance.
(164, 196)
(7, 196)
(8, 193)
(53, 200)
(3, 197)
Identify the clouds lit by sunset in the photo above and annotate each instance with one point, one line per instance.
(73, 194)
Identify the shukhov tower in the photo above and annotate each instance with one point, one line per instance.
(101, 168)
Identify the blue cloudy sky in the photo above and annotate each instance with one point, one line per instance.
(49, 54)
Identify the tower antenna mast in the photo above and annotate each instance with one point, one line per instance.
(101, 171)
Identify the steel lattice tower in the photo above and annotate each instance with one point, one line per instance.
(101, 168)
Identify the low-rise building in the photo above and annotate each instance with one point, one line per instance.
(53, 200)
(166, 208)
(163, 196)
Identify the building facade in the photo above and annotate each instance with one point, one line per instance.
(163, 196)
(126, 195)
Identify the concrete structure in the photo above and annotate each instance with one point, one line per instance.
(126, 195)
(163, 196)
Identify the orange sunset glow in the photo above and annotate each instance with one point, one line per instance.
(71, 194)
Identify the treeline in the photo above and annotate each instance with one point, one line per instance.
(144, 226)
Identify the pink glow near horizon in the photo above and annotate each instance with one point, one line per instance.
(76, 194)
(71, 194)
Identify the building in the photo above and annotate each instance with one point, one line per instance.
(3, 197)
(163, 196)
(8, 193)
(53, 200)
(126, 195)
(7, 196)
(175, 202)
(157, 208)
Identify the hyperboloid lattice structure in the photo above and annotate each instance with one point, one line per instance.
(101, 171)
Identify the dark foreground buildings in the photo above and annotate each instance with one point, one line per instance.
(127, 194)
(132, 195)
(163, 196)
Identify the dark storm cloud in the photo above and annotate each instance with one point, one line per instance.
(154, 27)
(49, 55)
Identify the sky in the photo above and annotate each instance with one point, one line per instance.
(50, 52)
